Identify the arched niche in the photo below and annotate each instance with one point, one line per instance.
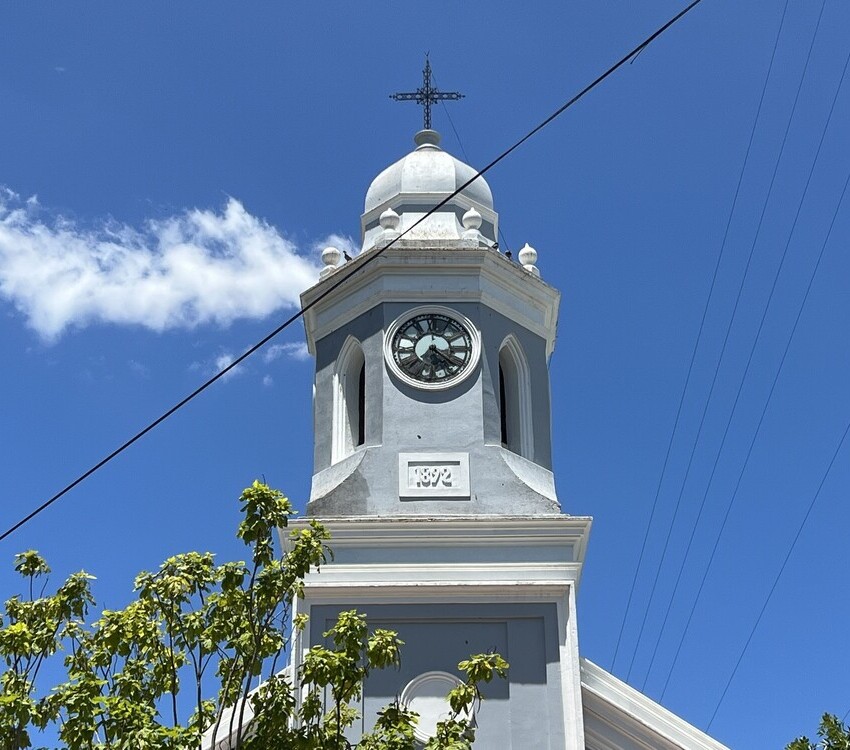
(515, 399)
(349, 403)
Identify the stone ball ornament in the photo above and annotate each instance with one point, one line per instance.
(432, 347)
(528, 259)
(389, 220)
(471, 219)
(331, 257)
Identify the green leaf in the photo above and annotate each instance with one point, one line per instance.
(184, 657)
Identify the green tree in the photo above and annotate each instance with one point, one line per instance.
(834, 735)
(181, 664)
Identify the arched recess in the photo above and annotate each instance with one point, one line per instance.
(515, 399)
(349, 402)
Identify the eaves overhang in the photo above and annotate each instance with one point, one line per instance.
(435, 272)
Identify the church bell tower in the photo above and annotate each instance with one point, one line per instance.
(433, 456)
(433, 471)
(432, 387)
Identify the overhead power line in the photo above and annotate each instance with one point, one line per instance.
(466, 157)
(747, 367)
(755, 436)
(344, 276)
(726, 336)
(697, 343)
(780, 572)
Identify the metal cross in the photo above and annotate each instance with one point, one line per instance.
(427, 94)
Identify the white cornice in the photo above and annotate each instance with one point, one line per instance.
(448, 576)
(451, 551)
(426, 273)
(629, 712)
(450, 531)
(467, 592)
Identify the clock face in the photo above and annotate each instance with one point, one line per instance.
(432, 349)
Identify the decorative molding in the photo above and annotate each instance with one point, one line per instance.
(466, 531)
(426, 694)
(436, 594)
(488, 582)
(623, 712)
(445, 275)
(414, 204)
(426, 202)
(453, 555)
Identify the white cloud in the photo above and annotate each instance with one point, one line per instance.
(223, 360)
(214, 365)
(138, 368)
(268, 381)
(196, 267)
(294, 350)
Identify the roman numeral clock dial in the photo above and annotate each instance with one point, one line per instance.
(432, 348)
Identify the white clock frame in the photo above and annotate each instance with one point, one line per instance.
(467, 324)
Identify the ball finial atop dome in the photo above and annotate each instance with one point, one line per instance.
(427, 138)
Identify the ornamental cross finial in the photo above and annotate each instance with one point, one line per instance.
(427, 94)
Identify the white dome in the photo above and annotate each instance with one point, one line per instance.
(430, 170)
(415, 184)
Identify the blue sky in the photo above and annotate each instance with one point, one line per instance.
(171, 173)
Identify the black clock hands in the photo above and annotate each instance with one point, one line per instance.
(431, 349)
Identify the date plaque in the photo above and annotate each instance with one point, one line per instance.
(433, 475)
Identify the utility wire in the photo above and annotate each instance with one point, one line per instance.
(698, 339)
(723, 350)
(358, 266)
(746, 370)
(451, 122)
(755, 436)
(779, 574)
(465, 156)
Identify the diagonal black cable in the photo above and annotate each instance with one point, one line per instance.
(344, 276)
(465, 156)
(725, 340)
(746, 370)
(755, 436)
(699, 336)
